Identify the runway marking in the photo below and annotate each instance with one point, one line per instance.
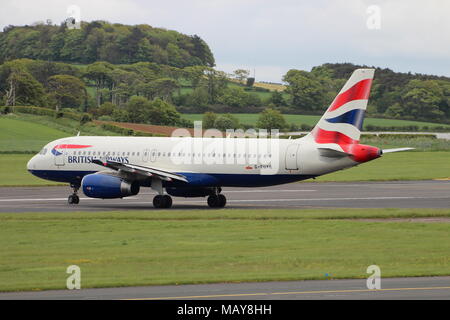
(291, 292)
(247, 200)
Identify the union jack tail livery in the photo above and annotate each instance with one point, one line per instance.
(339, 129)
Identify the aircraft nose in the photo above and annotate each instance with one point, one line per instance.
(31, 165)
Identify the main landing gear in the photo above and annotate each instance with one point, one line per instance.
(217, 201)
(74, 198)
(162, 201)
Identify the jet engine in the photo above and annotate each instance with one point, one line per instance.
(106, 186)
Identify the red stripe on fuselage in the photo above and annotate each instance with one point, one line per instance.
(71, 146)
(359, 91)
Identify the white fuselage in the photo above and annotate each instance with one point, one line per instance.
(234, 161)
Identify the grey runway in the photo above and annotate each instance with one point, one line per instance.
(398, 194)
(391, 288)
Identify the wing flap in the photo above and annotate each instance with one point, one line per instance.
(141, 170)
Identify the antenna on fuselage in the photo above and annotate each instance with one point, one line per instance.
(78, 134)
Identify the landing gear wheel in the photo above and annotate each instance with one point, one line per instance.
(217, 201)
(222, 200)
(167, 201)
(161, 201)
(73, 199)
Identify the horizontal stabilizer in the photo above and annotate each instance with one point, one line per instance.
(332, 153)
(397, 150)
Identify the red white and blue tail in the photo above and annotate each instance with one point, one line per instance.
(339, 129)
(342, 122)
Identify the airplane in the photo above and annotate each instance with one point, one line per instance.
(117, 167)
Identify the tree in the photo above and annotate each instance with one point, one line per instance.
(100, 40)
(241, 74)
(306, 92)
(194, 74)
(159, 112)
(198, 98)
(271, 119)
(226, 121)
(276, 98)
(138, 109)
(421, 99)
(163, 113)
(67, 91)
(216, 83)
(18, 85)
(100, 73)
(208, 120)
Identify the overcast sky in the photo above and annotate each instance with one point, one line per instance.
(272, 37)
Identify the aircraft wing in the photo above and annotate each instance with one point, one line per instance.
(140, 170)
(397, 150)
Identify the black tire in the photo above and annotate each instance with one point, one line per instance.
(213, 201)
(158, 201)
(222, 200)
(167, 201)
(73, 199)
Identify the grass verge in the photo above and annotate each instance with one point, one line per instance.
(397, 166)
(13, 172)
(175, 247)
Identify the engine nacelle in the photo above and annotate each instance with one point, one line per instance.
(105, 186)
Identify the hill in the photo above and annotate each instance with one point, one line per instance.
(103, 41)
(19, 135)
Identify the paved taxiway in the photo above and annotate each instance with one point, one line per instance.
(391, 288)
(399, 194)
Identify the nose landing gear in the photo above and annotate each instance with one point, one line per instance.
(74, 198)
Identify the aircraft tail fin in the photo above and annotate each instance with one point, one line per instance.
(343, 120)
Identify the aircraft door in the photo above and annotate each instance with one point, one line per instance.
(59, 154)
(291, 157)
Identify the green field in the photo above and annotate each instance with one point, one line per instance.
(26, 132)
(176, 247)
(252, 118)
(397, 166)
(19, 135)
(13, 171)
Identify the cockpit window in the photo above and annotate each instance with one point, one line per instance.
(43, 151)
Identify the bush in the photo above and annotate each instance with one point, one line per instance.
(34, 110)
(105, 118)
(5, 110)
(85, 118)
(127, 132)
